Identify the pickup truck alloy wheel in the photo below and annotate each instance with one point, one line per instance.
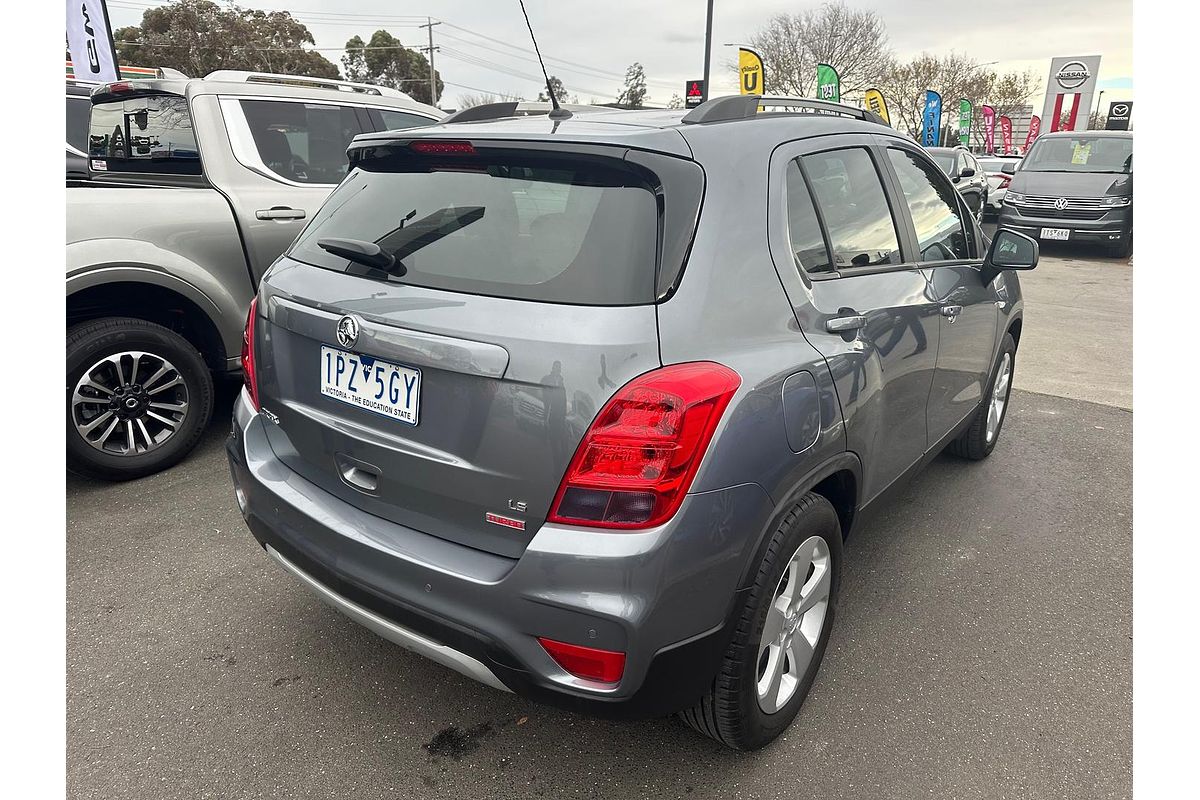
(129, 402)
(138, 398)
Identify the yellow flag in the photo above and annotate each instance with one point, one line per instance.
(750, 67)
(874, 101)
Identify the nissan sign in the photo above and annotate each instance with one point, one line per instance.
(1072, 75)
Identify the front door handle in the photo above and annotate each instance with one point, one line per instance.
(843, 324)
(280, 212)
(951, 311)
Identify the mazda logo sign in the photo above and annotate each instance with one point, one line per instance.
(1072, 75)
(1120, 111)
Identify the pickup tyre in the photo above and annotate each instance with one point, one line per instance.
(138, 396)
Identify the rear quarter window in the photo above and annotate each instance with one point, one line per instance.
(145, 135)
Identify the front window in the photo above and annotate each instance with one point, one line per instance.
(1109, 154)
(935, 211)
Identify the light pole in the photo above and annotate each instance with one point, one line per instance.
(1096, 116)
(707, 46)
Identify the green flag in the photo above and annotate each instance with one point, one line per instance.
(964, 122)
(828, 85)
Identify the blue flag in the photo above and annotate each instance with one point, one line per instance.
(932, 121)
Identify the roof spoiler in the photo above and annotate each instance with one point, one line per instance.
(745, 106)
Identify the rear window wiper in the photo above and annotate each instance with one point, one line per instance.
(366, 253)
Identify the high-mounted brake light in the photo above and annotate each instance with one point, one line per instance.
(637, 460)
(605, 666)
(249, 375)
(121, 86)
(442, 148)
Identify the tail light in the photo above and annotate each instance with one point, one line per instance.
(638, 458)
(1004, 182)
(248, 372)
(605, 666)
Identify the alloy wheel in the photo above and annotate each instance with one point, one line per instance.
(129, 403)
(793, 626)
(999, 398)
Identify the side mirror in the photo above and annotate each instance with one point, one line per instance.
(969, 172)
(1009, 168)
(1010, 250)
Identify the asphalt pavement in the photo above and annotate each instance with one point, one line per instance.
(982, 646)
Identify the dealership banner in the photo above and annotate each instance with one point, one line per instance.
(1006, 133)
(989, 130)
(750, 66)
(1072, 77)
(931, 120)
(90, 41)
(873, 100)
(1035, 127)
(829, 85)
(964, 122)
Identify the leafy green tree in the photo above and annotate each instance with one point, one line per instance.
(197, 37)
(384, 61)
(560, 92)
(634, 93)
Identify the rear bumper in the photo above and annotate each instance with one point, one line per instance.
(662, 596)
(1112, 227)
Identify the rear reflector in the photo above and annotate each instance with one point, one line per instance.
(248, 367)
(436, 147)
(638, 458)
(605, 666)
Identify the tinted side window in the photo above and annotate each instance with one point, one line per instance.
(804, 231)
(849, 192)
(303, 142)
(78, 109)
(395, 120)
(144, 134)
(935, 211)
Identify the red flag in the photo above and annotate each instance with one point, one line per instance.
(1035, 127)
(1006, 133)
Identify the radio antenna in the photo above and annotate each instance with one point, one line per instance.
(557, 112)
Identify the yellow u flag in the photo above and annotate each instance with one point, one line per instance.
(750, 68)
(874, 101)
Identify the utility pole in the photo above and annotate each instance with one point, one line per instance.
(429, 23)
(707, 47)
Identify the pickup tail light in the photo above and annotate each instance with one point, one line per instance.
(593, 664)
(249, 375)
(637, 460)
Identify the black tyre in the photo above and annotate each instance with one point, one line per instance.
(781, 633)
(138, 398)
(977, 441)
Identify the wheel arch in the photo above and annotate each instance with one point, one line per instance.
(152, 301)
(1014, 330)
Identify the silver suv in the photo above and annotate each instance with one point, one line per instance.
(584, 407)
(192, 187)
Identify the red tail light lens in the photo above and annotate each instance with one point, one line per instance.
(605, 666)
(248, 373)
(1004, 182)
(637, 460)
(442, 148)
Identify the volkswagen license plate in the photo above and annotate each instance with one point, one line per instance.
(1062, 234)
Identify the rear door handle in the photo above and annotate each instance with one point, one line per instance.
(951, 311)
(843, 324)
(280, 212)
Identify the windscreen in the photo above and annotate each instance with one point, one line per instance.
(559, 229)
(944, 160)
(1080, 154)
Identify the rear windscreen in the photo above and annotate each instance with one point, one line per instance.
(577, 230)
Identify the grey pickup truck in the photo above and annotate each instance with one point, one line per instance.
(193, 188)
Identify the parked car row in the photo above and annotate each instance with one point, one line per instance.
(583, 409)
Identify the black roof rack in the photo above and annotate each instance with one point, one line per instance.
(745, 106)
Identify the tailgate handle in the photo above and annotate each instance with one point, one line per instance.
(280, 212)
(360, 475)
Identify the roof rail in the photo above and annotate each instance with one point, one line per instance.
(745, 106)
(242, 76)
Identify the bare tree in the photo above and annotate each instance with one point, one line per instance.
(954, 76)
(1008, 92)
(791, 46)
(483, 98)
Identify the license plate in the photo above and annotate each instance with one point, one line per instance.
(371, 383)
(1061, 234)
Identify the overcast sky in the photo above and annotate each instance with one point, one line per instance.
(591, 43)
